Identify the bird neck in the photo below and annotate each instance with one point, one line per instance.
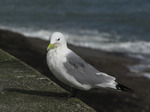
(61, 49)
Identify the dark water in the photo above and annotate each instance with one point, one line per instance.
(111, 25)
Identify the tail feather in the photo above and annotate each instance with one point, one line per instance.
(124, 88)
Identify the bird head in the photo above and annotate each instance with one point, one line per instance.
(56, 39)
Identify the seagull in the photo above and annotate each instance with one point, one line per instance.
(72, 70)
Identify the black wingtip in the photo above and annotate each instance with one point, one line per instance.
(124, 88)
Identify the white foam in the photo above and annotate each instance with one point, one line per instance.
(40, 34)
(29, 32)
(139, 47)
(137, 56)
(147, 75)
(139, 68)
(97, 40)
(90, 38)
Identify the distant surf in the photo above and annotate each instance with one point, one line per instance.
(114, 26)
(91, 39)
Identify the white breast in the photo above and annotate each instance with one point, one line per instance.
(55, 62)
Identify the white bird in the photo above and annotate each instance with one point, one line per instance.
(72, 70)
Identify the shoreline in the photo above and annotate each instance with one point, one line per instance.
(33, 52)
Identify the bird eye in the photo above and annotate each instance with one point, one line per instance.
(58, 39)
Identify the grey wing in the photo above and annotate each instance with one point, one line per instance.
(84, 72)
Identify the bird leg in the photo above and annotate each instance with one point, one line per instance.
(73, 92)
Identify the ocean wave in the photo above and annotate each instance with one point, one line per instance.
(29, 32)
(141, 69)
(99, 40)
(90, 39)
(138, 47)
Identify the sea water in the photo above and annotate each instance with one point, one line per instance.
(110, 25)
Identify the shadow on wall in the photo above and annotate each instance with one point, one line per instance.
(102, 100)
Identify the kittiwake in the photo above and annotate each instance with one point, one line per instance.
(72, 70)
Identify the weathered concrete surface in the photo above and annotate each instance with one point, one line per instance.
(23, 89)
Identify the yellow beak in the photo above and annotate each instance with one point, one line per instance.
(50, 46)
